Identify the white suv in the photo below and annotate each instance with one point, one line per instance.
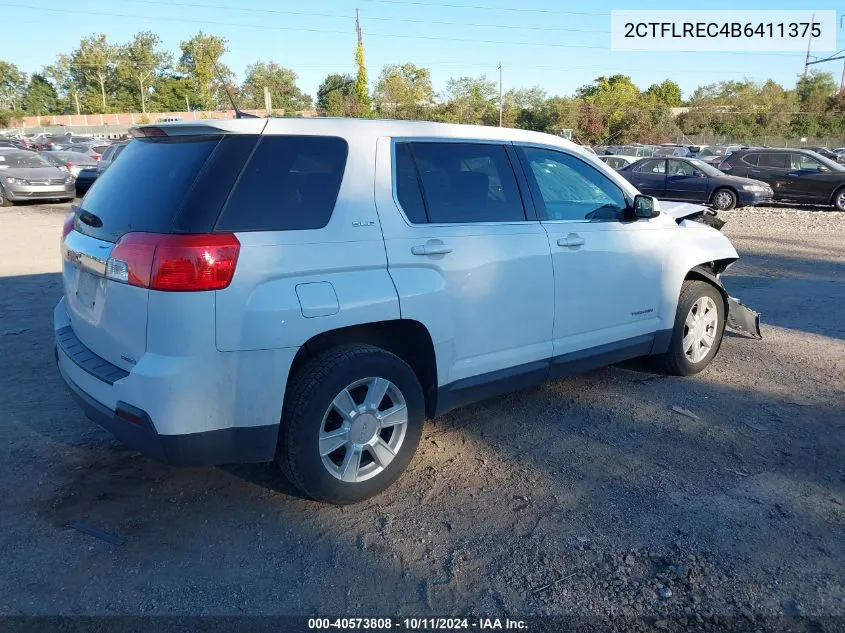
(309, 290)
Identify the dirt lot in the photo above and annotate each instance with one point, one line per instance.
(586, 496)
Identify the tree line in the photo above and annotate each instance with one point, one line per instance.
(100, 76)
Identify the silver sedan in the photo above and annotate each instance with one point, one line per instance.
(25, 175)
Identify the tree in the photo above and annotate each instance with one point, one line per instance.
(93, 64)
(40, 97)
(360, 91)
(200, 61)
(403, 91)
(470, 100)
(12, 83)
(666, 93)
(520, 107)
(335, 96)
(64, 83)
(141, 60)
(172, 93)
(281, 82)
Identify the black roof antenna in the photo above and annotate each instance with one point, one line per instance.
(239, 114)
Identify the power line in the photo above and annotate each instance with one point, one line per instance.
(403, 36)
(369, 17)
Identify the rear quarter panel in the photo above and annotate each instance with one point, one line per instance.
(261, 308)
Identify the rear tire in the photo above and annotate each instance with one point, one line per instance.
(352, 420)
(839, 199)
(697, 333)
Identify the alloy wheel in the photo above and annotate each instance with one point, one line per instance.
(363, 429)
(700, 328)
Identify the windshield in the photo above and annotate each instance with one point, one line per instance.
(704, 168)
(23, 159)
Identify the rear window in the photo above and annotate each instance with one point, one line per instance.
(290, 183)
(145, 189)
(778, 161)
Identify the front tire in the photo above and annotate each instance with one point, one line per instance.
(697, 333)
(839, 199)
(4, 201)
(724, 199)
(352, 421)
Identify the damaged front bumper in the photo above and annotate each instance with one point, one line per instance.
(742, 319)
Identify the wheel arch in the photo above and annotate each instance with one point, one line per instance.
(835, 193)
(408, 339)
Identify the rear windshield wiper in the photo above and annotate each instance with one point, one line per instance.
(90, 219)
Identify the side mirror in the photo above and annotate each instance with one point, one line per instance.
(645, 207)
(821, 169)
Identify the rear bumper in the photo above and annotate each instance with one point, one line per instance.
(222, 446)
(187, 412)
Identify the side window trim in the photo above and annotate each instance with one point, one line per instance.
(536, 196)
(410, 141)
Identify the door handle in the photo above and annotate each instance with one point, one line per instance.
(573, 239)
(432, 247)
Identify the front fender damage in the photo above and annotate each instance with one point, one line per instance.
(742, 319)
(739, 318)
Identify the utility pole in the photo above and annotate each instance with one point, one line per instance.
(187, 104)
(501, 105)
(842, 83)
(809, 43)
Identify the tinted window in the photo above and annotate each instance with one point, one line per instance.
(144, 190)
(290, 183)
(570, 189)
(408, 185)
(109, 151)
(467, 182)
(751, 159)
(777, 160)
(652, 166)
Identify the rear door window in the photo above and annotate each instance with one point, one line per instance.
(751, 159)
(652, 167)
(773, 159)
(461, 183)
(291, 183)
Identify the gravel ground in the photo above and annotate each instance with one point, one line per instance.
(587, 496)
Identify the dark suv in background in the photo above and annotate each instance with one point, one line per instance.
(796, 175)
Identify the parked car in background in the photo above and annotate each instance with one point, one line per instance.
(827, 153)
(74, 162)
(693, 180)
(617, 162)
(84, 180)
(714, 154)
(668, 149)
(25, 175)
(110, 154)
(386, 272)
(795, 175)
(13, 143)
(91, 150)
(53, 142)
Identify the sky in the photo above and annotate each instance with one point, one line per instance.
(556, 45)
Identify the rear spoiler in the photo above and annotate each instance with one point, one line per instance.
(199, 128)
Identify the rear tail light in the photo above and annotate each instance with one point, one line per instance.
(67, 227)
(177, 263)
(69, 165)
(724, 166)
